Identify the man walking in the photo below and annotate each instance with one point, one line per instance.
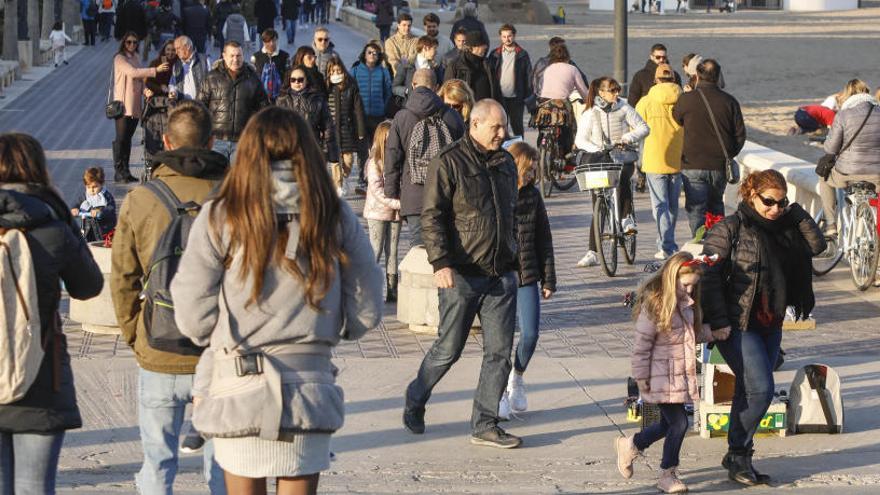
(431, 23)
(470, 235)
(401, 47)
(232, 92)
(191, 171)
(703, 158)
(197, 25)
(324, 49)
(189, 71)
(472, 67)
(422, 103)
(512, 68)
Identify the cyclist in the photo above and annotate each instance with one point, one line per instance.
(609, 121)
(560, 80)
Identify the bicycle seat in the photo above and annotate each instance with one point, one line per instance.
(861, 187)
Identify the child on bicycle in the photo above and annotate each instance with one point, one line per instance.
(668, 326)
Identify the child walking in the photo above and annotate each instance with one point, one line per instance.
(382, 213)
(664, 362)
(59, 40)
(95, 207)
(537, 273)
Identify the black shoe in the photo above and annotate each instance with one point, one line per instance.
(739, 469)
(66, 62)
(391, 288)
(414, 420)
(496, 437)
(763, 479)
(193, 442)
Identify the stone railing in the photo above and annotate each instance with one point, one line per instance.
(364, 22)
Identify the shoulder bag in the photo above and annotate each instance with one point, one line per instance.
(827, 162)
(731, 167)
(114, 109)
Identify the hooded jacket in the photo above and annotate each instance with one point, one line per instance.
(58, 253)
(312, 106)
(701, 150)
(232, 101)
(421, 103)
(534, 239)
(597, 127)
(192, 174)
(643, 81)
(662, 148)
(861, 157)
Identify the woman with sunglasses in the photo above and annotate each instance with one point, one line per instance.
(311, 104)
(128, 87)
(766, 248)
(374, 81)
(306, 58)
(458, 95)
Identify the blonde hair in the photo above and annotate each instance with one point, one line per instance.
(852, 87)
(459, 92)
(525, 157)
(658, 298)
(377, 151)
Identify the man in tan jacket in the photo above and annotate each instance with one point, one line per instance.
(191, 170)
(401, 47)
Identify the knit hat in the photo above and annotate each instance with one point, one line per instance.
(664, 71)
(475, 38)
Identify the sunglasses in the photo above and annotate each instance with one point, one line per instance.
(297, 79)
(612, 91)
(770, 202)
(372, 53)
(457, 106)
(131, 42)
(661, 57)
(322, 39)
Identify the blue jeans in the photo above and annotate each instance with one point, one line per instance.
(805, 122)
(29, 462)
(162, 400)
(494, 299)
(528, 313)
(290, 27)
(384, 32)
(665, 190)
(414, 227)
(703, 192)
(225, 148)
(673, 426)
(751, 356)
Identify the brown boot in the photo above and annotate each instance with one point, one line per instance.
(669, 482)
(626, 454)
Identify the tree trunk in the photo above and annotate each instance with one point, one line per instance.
(33, 21)
(10, 30)
(48, 18)
(70, 15)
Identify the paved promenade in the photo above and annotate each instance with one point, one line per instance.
(575, 383)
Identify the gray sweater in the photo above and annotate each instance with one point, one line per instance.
(861, 158)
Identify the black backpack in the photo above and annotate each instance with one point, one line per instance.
(162, 331)
(92, 9)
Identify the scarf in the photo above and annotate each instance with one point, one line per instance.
(285, 200)
(91, 202)
(858, 99)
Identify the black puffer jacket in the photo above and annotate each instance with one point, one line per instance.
(347, 110)
(232, 101)
(728, 294)
(477, 73)
(58, 254)
(536, 261)
(312, 105)
(469, 215)
(643, 81)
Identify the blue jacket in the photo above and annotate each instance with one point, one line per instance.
(84, 8)
(375, 86)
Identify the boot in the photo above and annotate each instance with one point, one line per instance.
(739, 468)
(626, 454)
(391, 292)
(762, 479)
(669, 482)
(121, 158)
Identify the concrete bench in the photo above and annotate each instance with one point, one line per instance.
(9, 72)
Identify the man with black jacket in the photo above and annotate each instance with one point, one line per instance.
(197, 25)
(472, 67)
(232, 92)
(643, 80)
(421, 103)
(512, 68)
(469, 225)
(703, 159)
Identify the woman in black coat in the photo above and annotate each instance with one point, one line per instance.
(36, 423)
(311, 104)
(306, 59)
(347, 110)
(765, 250)
(155, 117)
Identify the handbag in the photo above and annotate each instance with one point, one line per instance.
(731, 167)
(828, 160)
(114, 109)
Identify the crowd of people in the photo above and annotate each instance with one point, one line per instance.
(249, 158)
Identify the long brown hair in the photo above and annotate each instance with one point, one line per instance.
(604, 83)
(276, 134)
(377, 151)
(525, 156)
(658, 295)
(22, 159)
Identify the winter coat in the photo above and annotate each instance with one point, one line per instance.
(667, 359)
(128, 83)
(197, 23)
(469, 24)
(537, 77)
(403, 76)
(347, 111)
(378, 206)
(192, 175)
(861, 158)
(399, 48)
(398, 184)
(384, 12)
(84, 9)
(199, 71)
(281, 59)
(643, 81)
(701, 150)
(290, 10)
(535, 241)
(375, 87)
(662, 148)
(106, 216)
(315, 80)
(236, 29)
(131, 17)
(266, 13)
(312, 106)
(321, 58)
(58, 253)
(522, 70)
(477, 73)
(232, 101)
(597, 128)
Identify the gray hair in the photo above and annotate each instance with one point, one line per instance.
(185, 41)
(483, 108)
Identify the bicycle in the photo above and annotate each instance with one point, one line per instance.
(552, 120)
(857, 239)
(601, 180)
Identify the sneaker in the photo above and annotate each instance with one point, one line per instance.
(192, 442)
(504, 408)
(628, 225)
(516, 389)
(660, 255)
(66, 62)
(589, 259)
(496, 437)
(669, 482)
(626, 454)
(414, 420)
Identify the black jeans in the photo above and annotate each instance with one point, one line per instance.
(624, 198)
(90, 29)
(125, 127)
(384, 32)
(514, 108)
(105, 22)
(673, 425)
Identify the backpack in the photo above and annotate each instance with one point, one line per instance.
(271, 79)
(814, 401)
(21, 348)
(162, 331)
(92, 9)
(429, 136)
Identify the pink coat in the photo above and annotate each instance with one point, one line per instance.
(377, 205)
(668, 359)
(128, 83)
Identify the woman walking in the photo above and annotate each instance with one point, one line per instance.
(128, 88)
(766, 247)
(305, 57)
(374, 82)
(277, 271)
(311, 105)
(30, 208)
(347, 110)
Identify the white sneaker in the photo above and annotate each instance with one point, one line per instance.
(628, 225)
(589, 259)
(660, 255)
(340, 192)
(516, 389)
(504, 408)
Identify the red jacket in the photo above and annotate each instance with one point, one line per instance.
(823, 115)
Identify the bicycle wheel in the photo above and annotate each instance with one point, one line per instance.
(562, 180)
(543, 183)
(825, 261)
(866, 249)
(605, 235)
(629, 248)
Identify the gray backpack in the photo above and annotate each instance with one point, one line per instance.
(162, 331)
(429, 136)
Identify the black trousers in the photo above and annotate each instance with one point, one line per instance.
(90, 28)
(514, 108)
(125, 127)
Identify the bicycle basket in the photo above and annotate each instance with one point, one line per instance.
(597, 175)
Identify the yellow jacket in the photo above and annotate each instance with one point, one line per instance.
(662, 153)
